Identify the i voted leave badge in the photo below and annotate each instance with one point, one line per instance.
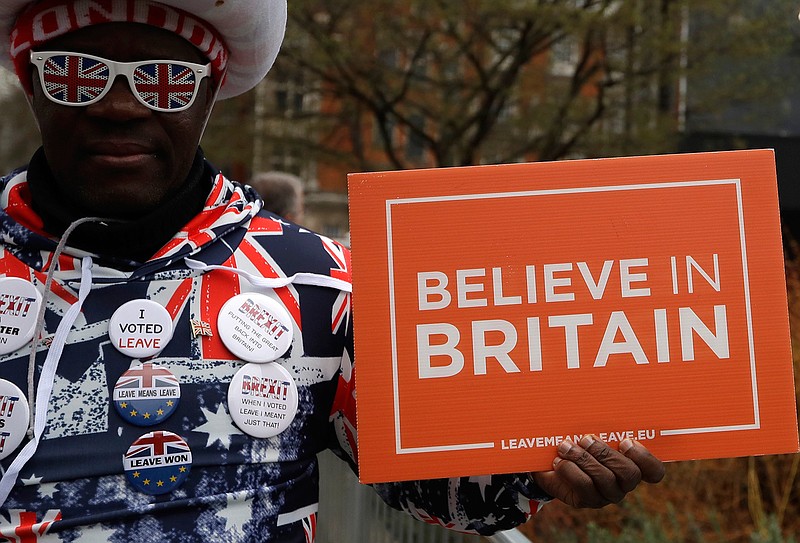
(14, 415)
(262, 399)
(146, 394)
(19, 307)
(255, 328)
(157, 463)
(140, 328)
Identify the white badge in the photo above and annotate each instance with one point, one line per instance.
(140, 328)
(262, 399)
(255, 327)
(19, 307)
(14, 415)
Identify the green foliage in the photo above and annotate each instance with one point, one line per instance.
(641, 525)
(771, 534)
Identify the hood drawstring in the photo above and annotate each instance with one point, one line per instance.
(41, 398)
(301, 278)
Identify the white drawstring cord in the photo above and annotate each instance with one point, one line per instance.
(302, 278)
(46, 381)
(37, 331)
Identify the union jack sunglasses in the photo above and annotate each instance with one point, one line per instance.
(75, 79)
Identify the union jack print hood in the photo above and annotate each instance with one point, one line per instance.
(229, 206)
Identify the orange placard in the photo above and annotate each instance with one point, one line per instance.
(502, 309)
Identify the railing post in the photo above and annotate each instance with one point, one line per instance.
(510, 536)
(354, 513)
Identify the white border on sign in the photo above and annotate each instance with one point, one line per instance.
(577, 190)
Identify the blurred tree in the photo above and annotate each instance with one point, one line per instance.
(19, 136)
(387, 84)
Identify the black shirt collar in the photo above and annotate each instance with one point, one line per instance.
(134, 240)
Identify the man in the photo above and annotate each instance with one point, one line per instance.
(282, 194)
(172, 359)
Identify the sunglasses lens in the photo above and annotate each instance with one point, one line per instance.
(164, 85)
(73, 79)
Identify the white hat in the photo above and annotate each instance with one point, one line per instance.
(252, 31)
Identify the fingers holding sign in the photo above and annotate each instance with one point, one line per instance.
(592, 474)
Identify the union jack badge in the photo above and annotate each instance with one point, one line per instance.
(157, 463)
(200, 328)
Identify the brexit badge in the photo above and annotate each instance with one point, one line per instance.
(19, 308)
(146, 394)
(14, 413)
(157, 463)
(263, 399)
(255, 328)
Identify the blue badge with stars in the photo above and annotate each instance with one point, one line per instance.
(146, 394)
(158, 462)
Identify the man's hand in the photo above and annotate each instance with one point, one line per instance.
(592, 474)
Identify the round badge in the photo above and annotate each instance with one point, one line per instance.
(140, 328)
(19, 307)
(14, 415)
(157, 463)
(255, 328)
(146, 394)
(262, 399)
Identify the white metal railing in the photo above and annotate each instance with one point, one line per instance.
(350, 512)
(511, 536)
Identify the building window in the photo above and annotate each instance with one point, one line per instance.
(287, 159)
(289, 98)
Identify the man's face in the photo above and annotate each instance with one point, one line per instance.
(117, 157)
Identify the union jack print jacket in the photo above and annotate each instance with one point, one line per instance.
(240, 488)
